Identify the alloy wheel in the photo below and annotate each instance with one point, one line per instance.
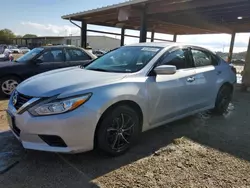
(8, 86)
(119, 133)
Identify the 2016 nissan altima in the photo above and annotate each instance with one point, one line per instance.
(119, 95)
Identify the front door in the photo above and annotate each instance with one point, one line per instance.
(172, 95)
(51, 59)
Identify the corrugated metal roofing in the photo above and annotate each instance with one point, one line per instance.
(126, 3)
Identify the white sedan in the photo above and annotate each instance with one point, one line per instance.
(107, 104)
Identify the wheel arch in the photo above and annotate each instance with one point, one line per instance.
(132, 104)
(10, 75)
(227, 84)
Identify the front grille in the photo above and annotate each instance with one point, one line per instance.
(21, 100)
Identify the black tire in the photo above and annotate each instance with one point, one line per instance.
(11, 79)
(112, 138)
(223, 100)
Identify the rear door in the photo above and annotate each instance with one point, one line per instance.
(76, 56)
(207, 75)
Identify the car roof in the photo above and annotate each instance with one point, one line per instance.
(60, 46)
(155, 44)
(168, 45)
(66, 46)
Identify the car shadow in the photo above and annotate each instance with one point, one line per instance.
(4, 98)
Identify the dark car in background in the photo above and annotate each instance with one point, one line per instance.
(40, 60)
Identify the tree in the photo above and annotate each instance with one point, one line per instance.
(6, 36)
(29, 36)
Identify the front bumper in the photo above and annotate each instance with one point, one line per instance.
(76, 129)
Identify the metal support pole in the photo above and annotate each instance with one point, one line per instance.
(122, 36)
(152, 36)
(230, 55)
(175, 38)
(143, 27)
(83, 29)
(84, 35)
(246, 72)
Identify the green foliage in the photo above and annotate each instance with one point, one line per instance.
(5, 36)
(29, 36)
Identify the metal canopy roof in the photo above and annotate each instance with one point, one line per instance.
(174, 16)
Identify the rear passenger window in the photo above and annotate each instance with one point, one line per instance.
(202, 58)
(76, 55)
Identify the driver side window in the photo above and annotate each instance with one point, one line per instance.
(176, 58)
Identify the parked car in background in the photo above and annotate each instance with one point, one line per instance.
(2, 48)
(14, 49)
(99, 53)
(238, 62)
(40, 60)
(119, 95)
(24, 49)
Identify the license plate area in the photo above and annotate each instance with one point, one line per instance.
(12, 123)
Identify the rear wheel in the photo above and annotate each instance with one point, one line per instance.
(223, 99)
(118, 130)
(8, 84)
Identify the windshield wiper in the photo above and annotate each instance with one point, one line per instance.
(98, 69)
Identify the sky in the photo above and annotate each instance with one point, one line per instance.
(43, 18)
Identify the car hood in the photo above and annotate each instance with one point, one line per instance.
(66, 80)
(7, 63)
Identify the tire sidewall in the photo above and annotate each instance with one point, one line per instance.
(105, 124)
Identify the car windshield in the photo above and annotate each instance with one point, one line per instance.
(29, 55)
(125, 59)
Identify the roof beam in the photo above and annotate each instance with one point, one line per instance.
(212, 9)
(167, 6)
(193, 21)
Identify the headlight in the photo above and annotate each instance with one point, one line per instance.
(59, 106)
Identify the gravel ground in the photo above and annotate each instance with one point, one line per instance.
(183, 164)
(3, 120)
(198, 151)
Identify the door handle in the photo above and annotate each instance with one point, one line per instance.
(190, 79)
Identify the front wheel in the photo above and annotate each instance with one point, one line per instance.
(8, 84)
(223, 100)
(118, 130)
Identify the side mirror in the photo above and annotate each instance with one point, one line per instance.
(165, 69)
